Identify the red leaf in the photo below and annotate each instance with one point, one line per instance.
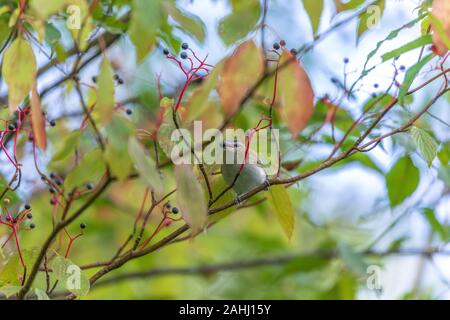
(441, 10)
(240, 72)
(295, 94)
(37, 120)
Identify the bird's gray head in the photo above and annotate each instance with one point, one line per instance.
(233, 145)
(233, 151)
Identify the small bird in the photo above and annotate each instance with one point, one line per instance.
(252, 175)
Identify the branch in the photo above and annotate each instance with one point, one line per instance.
(258, 263)
(60, 226)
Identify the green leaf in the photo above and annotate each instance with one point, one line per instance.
(444, 154)
(105, 92)
(199, 102)
(188, 23)
(52, 34)
(47, 7)
(4, 9)
(40, 294)
(80, 22)
(116, 153)
(410, 75)
(402, 180)
(419, 42)
(70, 276)
(244, 16)
(314, 9)
(9, 271)
(10, 291)
(59, 266)
(350, 5)
(370, 18)
(191, 197)
(281, 202)
(392, 35)
(4, 32)
(306, 264)
(347, 286)
(435, 225)
(18, 71)
(67, 146)
(397, 244)
(89, 169)
(146, 18)
(145, 165)
(425, 143)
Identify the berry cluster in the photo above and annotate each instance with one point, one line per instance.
(282, 45)
(11, 128)
(15, 223)
(166, 221)
(116, 78)
(192, 73)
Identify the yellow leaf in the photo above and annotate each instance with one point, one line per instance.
(281, 202)
(19, 71)
(43, 9)
(240, 72)
(105, 92)
(79, 22)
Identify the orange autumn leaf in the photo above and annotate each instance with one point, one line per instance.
(295, 94)
(240, 72)
(37, 120)
(441, 11)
